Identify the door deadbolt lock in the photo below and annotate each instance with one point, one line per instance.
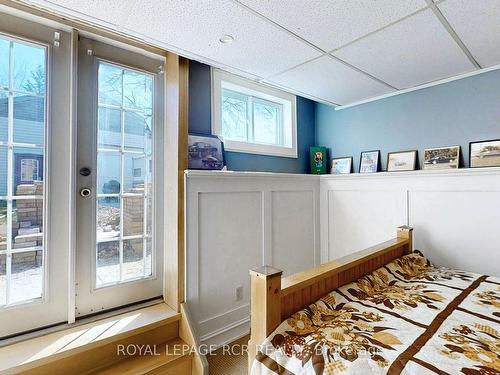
(85, 192)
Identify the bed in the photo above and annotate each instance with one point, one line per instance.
(386, 309)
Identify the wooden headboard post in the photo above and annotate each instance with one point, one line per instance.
(265, 312)
(406, 232)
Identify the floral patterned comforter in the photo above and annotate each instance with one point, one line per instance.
(408, 317)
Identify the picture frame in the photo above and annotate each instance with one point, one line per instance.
(447, 157)
(205, 152)
(402, 161)
(369, 161)
(318, 159)
(484, 154)
(341, 165)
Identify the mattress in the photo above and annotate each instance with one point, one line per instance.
(408, 317)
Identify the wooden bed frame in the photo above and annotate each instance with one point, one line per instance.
(274, 299)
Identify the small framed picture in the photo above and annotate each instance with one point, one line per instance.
(442, 157)
(401, 161)
(318, 160)
(369, 162)
(341, 165)
(484, 154)
(205, 152)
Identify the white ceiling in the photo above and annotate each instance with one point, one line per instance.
(334, 51)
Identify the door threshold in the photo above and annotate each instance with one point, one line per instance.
(84, 336)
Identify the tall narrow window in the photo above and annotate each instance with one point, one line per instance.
(22, 151)
(124, 175)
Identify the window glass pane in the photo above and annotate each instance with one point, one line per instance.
(4, 63)
(135, 131)
(136, 172)
(110, 85)
(27, 223)
(3, 171)
(133, 259)
(29, 68)
(266, 119)
(149, 257)
(3, 225)
(133, 216)
(28, 171)
(234, 115)
(108, 218)
(3, 279)
(109, 132)
(137, 90)
(108, 172)
(4, 107)
(29, 119)
(108, 263)
(26, 278)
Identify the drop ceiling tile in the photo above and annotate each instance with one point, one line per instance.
(412, 52)
(477, 23)
(331, 24)
(330, 80)
(195, 26)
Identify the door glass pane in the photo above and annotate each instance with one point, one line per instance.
(133, 258)
(3, 279)
(108, 172)
(108, 263)
(110, 125)
(4, 108)
(108, 218)
(22, 150)
(28, 68)
(125, 126)
(4, 63)
(27, 171)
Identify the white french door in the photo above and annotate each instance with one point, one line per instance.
(35, 192)
(120, 132)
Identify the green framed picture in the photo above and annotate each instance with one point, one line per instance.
(318, 160)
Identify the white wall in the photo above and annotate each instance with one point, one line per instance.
(237, 221)
(455, 214)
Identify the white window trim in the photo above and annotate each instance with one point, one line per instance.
(259, 91)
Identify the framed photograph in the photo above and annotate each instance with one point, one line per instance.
(401, 161)
(341, 165)
(484, 154)
(369, 162)
(318, 160)
(205, 152)
(442, 157)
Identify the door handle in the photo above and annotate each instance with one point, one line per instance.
(85, 192)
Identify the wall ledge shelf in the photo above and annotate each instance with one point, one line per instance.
(417, 173)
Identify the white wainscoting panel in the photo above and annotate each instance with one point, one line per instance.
(360, 218)
(236, 222)
(293, 230)
(455, 214)
(458, 229)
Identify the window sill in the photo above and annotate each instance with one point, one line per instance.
(260, 149)
(31, 353)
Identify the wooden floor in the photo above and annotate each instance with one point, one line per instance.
(221, 363)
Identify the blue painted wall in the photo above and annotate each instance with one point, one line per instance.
(200, 122)
(454, 113)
